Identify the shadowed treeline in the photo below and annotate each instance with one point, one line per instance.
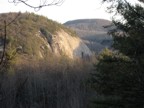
(54, 84)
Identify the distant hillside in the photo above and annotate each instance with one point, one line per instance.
(92, 31)
(35, 37)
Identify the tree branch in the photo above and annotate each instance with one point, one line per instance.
(4, 45)
(42, 3)
(12, 21)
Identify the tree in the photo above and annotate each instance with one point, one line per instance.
(119, 74)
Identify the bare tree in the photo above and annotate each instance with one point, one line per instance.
(4, 36)
(42, 3)
(4, 45)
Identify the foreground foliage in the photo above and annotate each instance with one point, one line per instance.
(119, 74)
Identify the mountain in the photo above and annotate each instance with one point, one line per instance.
(93, 32)
(30, 36)
(39, 69)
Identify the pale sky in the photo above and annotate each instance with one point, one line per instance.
(69, 10)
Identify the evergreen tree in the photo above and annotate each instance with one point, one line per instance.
(119, 76)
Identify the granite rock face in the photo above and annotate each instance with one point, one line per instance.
(63, 43)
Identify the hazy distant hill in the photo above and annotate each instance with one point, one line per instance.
(92, 31)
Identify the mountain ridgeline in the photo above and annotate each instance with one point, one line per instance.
(34, 36)
(93, 32)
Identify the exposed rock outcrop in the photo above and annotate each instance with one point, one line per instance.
(63, 43)
(73, 47)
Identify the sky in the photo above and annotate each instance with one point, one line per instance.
(69, 10)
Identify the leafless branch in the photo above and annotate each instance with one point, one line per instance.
(42, 3)
(9, 23)
(5, 36)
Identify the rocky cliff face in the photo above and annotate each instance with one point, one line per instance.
(63, 43)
